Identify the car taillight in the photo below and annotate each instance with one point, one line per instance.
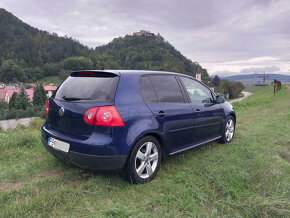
(103, 116)
(47, 108)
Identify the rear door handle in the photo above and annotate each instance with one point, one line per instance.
(197, 110)
(161, 114)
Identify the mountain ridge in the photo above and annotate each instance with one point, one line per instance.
(255, 78)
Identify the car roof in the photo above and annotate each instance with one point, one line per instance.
(131, 72)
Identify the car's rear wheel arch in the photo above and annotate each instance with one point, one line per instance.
(156, 136)
(129, 170)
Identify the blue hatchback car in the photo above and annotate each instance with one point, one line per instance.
(129, 121)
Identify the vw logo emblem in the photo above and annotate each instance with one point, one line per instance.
(61, 111)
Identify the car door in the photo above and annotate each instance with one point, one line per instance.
(168, 105)
(207, 113)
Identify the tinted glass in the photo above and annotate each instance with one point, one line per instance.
(167, 88)
(147, 90)
(197, 92)
(97, 89)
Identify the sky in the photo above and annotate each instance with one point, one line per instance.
(226, 37)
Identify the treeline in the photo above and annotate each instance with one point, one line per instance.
(224, 87)
(28, 54)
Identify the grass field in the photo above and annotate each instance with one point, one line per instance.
(252, 89)
(249, 177)
(50, 80)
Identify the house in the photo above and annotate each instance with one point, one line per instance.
(49, 89)
(4, 95)
(29, 92)
(2, 86)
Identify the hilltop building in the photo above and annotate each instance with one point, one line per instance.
(149, 35)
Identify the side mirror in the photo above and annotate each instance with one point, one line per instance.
(220, 99)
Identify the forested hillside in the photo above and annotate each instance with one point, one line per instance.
(137, 52)
(28, 54)
(32, 47)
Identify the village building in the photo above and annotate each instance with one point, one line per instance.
(29, 92)
(4, 95)
(49, 89)
(2, 86)
(198, 75)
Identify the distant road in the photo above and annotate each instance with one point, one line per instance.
(246, 94)
(13, 123)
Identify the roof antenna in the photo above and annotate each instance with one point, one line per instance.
(102, 68)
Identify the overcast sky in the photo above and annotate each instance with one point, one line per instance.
(225, 36)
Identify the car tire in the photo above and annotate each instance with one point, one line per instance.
(144, 161)
(228, 132)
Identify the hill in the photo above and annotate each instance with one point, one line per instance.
(31, 47)
(141, 52)
(28, 54)
(251, 79)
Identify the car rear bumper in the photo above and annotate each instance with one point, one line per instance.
(86, 161)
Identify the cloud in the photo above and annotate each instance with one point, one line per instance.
(222, 35)
(269, 69)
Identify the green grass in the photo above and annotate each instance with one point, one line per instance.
(249, 177)
(252, 89)
(50, 80)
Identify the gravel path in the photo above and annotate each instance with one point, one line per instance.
(246, 94)
(12, 124)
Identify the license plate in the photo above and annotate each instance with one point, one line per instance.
(57, 144)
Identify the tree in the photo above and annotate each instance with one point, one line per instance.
(77, 63)
(39, 97)
(10, 71)
(22, 100)
(12, 101)
(216, 81)
(232, 88)
(51, 69)
(3, 105)
(237, 88)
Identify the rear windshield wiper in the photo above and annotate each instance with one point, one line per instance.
(74, 99)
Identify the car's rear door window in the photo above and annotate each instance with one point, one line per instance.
(147, 90)
(167, 88)
(97, 89)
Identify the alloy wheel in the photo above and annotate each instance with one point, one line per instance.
(146, 160)
(230, 128)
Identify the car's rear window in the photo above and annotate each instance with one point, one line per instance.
(97, 89)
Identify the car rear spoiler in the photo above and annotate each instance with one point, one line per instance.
(95, 73)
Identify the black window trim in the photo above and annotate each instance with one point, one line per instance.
(147, 75)
(187, 95)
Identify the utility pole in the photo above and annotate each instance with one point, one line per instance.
(263, 76)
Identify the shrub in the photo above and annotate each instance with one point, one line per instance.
(4, 105)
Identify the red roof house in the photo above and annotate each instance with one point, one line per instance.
(29, 92)
(49, 89)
